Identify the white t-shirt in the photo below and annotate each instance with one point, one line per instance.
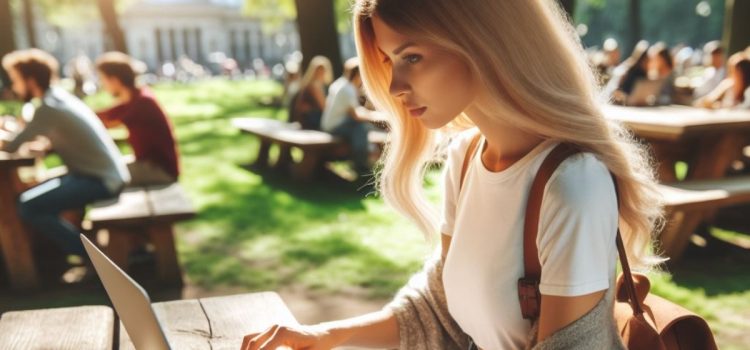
(342, 95)
(576, 240)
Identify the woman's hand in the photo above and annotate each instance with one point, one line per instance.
(290, 337)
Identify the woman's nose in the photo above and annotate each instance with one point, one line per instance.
(399, 87)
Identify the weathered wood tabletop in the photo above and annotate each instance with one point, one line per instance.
(208, 323)
(707, 140)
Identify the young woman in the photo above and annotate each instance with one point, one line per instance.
(741, 87)
(311, 98)
(513, 70)
(629, 72)
(731, 91)
(661, 66)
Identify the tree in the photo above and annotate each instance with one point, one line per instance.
(569, 6)
(7, 40)
(736, 25)
(316, 24)
(112, 24)
(28, 14)
(634, 21)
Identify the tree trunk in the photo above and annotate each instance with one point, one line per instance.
(736, 25)
(7, 39)
(112, 25)
(316, 24)
(634, 22)
(28, 14)
(569, 6)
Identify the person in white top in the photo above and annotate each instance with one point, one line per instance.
(715, 72)
(514, 72)
(343, 117)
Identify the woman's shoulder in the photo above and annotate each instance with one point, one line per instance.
(459, 143)
(581, 178)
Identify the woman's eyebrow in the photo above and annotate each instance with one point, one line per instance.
(403, 47)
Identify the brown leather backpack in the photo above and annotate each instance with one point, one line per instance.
(645, 321)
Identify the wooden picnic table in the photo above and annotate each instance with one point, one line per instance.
(15, 241)
(707, 140)
(206, 323)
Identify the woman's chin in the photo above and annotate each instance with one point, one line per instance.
(433, 123)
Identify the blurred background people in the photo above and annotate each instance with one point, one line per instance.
(96, 170)
(150, 132)
(661, 68)
(715, 70)
(311, 98)
(344, 117)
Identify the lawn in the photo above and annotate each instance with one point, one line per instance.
(265, 232)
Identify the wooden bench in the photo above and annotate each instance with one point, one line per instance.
(317, 146)
(206, 323)
(689, 203)
(144, 214)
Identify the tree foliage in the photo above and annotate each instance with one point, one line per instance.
(691, 22)
(273, 12)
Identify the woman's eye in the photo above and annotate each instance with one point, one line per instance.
(412, 59)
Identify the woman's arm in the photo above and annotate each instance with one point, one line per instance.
(319, 95)
(375, 330)
(379, 329)
(112, 117)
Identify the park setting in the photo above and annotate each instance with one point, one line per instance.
(233, 158)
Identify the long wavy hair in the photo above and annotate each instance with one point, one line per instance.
(316, 63)
(527, 56)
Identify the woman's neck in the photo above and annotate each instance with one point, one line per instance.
(506, 144)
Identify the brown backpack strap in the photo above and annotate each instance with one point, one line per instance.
(528, 286)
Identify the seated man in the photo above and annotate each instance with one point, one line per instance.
(150, 132)
(96, 170)
(344, 117)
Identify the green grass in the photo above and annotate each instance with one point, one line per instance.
(266, 232)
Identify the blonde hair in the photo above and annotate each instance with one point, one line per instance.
(316, 63)
(508, 46)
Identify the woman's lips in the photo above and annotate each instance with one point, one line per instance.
(416, 112)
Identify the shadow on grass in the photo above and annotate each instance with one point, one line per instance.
(716, 268)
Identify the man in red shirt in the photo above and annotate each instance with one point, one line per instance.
(150, 131)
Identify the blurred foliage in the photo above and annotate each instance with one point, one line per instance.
(67, 13)
(276, 11)
(691, 22)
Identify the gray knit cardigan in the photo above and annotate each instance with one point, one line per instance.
(425, 324)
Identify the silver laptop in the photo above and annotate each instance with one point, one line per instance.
(646, 92)
(130, 300)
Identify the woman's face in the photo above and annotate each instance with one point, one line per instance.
(434, 85)
(320, 73)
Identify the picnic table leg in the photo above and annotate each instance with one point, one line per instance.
(119, 247)
(14, 238)
(311, 162)
(285, 157)
(167, 264)
(262, 160)
(715, 155)
(666, 165)
(676, 235)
